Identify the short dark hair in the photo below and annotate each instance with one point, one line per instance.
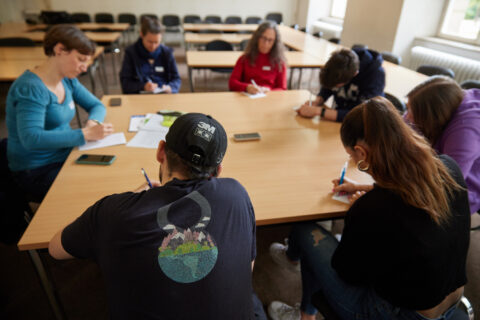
(150, 25)
(177, 164)
(340, 68)
(71, 37)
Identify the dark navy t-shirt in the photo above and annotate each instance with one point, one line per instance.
(181, 251)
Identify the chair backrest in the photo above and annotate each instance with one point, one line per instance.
(233, 20)
(431, 70)
(102, 30)
(171, 20)
(318, 34)
(359, 46)
(79, 17)
(294, 26)
(55, 17)
(274, 16)
(334, 40)
(149, 15)
(104, 17)
(191, 18)
(253, 20)
(127, 18)
(213, 19)
(16, 42)
(218, 45)
(397, 103)
(391, 57)
(470, 84)
(209, 31)
(243, 44)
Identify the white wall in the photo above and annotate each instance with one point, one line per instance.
(222, 8)
(13, 10)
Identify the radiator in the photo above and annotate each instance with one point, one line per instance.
(329, 30)
(464, 68)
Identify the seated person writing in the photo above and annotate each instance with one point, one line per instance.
(40, 106)
(351, 76)
(449, 118)
(149, 65)
(262, 67)
(404, 246)
(183, 249)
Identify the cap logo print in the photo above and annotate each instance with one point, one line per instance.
(204, 130)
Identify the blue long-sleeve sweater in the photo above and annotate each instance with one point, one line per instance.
(39, 131)
(368, 83)
(140, 66)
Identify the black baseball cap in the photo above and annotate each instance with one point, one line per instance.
(198, 139)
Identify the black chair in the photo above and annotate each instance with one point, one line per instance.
(191, 18)
(464, 311)
(294, 26)
(334, 40)
(275, 17)
(359, 46)
(397, 103)
(80, 17)
(148, 15)
(213, 19)
(245, 32)
(470, 84)
(391, 57)
(16, 42)
(127, 18)
(171, 21)
(253, 20)
(303, 29)
(318, 34)
(431, 70)
(209, 31)
(244, 44)
(233, 20)
(104, 17)
(219, 45)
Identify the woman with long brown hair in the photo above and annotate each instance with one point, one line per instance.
(449, 118)
(403, 250)
(262, 67)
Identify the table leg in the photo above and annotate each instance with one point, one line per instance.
(290, 78)
(299, 78)
(103, 74)
(190, 78)
(47, 285)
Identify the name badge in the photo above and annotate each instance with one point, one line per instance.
(159, 69)
(72, 105)
(266, 68)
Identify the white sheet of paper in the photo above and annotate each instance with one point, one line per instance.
(152, 122)
(342, 198)
(255, 96)
(296, 108)
(111, 140)
(147, 139)
(135, 121)
(155, 91)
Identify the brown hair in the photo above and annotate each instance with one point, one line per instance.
(177, 164)
(277, 57)
(150, 25)
(70, 37)
(340, 68)
(400, 159)
(433, 103)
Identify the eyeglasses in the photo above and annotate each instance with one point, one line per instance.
(263, 38)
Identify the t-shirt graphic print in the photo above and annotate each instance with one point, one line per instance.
(187, 255)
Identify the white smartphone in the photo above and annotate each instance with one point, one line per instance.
(246, 136)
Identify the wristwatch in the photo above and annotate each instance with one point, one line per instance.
(322, 114)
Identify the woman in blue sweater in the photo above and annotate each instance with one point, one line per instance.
(40, 106)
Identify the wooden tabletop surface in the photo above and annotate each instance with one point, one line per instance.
(200, 38)
(287, 173)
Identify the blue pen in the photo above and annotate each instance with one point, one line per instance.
(342, 175)
(148, 180)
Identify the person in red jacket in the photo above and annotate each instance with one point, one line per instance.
(262, 67)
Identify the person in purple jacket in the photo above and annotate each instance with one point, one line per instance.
(449, 118)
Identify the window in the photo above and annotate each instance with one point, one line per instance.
(338, 8)
(462, 20)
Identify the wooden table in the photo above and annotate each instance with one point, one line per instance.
(227, 59)
(400, 80)
(219, 27)
(203, 38)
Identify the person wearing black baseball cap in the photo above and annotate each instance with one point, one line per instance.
(182, 249)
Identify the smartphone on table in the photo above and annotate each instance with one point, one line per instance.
(98, 159)
(246, 136)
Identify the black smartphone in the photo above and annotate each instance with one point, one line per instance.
(99, 159)
(115, 102)
(246, 136)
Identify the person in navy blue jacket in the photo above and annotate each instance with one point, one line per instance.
(148, 65)
(351, 76)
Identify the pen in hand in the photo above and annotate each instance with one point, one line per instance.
(148, 180)
(342, 176)
(256, 86)
(97, 122)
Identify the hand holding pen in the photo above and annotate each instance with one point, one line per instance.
(149, 184)
(150, 85)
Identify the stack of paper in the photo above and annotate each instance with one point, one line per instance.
(150, 132)
(111, 140)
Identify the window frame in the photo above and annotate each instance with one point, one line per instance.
(453, 37)
(331, 10)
